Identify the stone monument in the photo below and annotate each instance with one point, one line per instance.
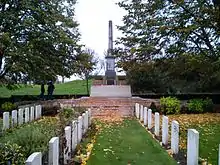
(110, 74)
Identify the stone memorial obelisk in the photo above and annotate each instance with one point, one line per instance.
(110, 74)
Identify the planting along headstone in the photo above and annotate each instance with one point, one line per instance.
(20, 116)
(192, 147)
(175, 137)
(54, 151)
(142, 113)
(79, 129)
(32, 114)
(14, 118)
(67, 149)
(27, 115)
(145, 116)
(165, 129)
(74, 135)
(6, 121)
(149, 119)
(157, 124)
(34, 159)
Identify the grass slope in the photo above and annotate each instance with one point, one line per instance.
(73, 87)
(127, 143)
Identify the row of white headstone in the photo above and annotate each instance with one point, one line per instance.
(73, 135)
(23, 115)
(145, 115)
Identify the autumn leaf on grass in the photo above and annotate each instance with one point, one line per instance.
(106, 150)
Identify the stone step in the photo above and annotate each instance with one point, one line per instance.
(111, 91)
(105, 106)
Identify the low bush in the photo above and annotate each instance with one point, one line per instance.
(68, 113)
(8, 106)
(169, 105)
(11, 153)
(208, 105)
(153, 107)
(195, 106)
(200, 105)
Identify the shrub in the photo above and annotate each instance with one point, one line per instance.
(169, 105)
(68, 113)
(200, 105)
(11, 153)
(153, 107)
(195, 106)
(8, 106)
(208, 105)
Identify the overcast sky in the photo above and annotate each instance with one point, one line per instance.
(93, 17)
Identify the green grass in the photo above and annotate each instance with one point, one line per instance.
(209, 141)
(73, 87)
(208, 126)
(127, 143)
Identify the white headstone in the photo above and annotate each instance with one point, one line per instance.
(79, 127)
(137, 110)
(87, 120)
(67, 150)
(84, 123)
(14, 118)
(36, 112)
(145, 116)
(192, 147)
(54, 151)
(165, 129)
(90, 116)
(40, 111)
(32, 114)
(74, 135)
(175, 137)
(27, 115)
(20, 116)
(219, 155)
(149, 119)
(6, 121)
(157, 124)
(142, 113)
(34, 159)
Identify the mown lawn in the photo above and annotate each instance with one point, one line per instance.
(208, 126)
(127, 143)
(73, 87)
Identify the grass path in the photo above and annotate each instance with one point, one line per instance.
(127, 143)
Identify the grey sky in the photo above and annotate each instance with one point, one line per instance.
(93, 17)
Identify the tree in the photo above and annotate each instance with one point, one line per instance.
(175, 32)
(38, 40)
(86, 64)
